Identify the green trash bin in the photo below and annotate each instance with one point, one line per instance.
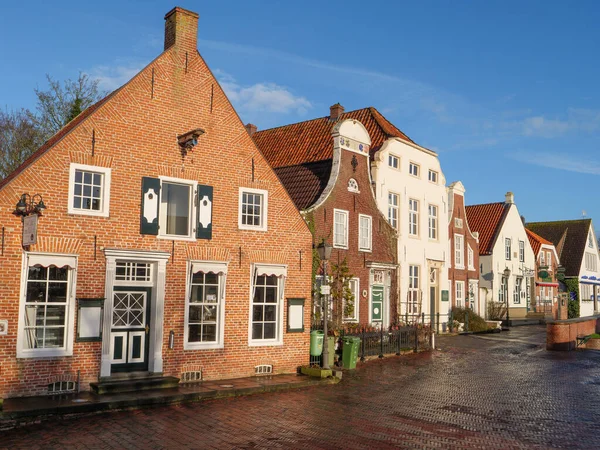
(316, 343)
(350, 351)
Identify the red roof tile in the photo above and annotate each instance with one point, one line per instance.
(311, 141)
(536, 241)
(487, 220)
(54, 139)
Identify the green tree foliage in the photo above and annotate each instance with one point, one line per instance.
(19, 138)
(572, 285)
(341, 294)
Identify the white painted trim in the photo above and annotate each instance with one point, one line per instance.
(162, 214)
(105, 199)
(370, 247)
(344, 245)
(70, 312)
(356, 303)
(220, 343)
(264, 209)
(280, 305)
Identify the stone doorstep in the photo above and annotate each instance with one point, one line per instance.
(26, 409)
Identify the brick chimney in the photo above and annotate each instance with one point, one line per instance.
(181, 29)
(251, 128)
(335, 111)
(510, 198)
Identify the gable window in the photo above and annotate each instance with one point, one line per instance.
(470, 258)
(393, 161)
(507, 249)
(413, 217)
(413, 169)
(433, 221)
(460, 293)
(253, 205)
(591, 262)
(549, 260)
(266, 311)
(413, 289)
(542, 258)
(522, 251)
(433, 176)
(350, 313)
(47, 307)
(590, 240)
(340, 228)
(458, 222)
(393, 209)
(459, 251)
(89, 190)
(364, 232)
(205, 305)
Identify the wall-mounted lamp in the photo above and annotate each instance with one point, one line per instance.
(171, 340)
(28, 204)
(187, 141)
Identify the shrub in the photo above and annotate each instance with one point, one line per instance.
(573, 309)
(496, 310)
(476, 323)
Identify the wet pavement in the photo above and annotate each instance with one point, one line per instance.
(487, 391)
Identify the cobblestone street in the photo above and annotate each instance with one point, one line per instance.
(493, 391)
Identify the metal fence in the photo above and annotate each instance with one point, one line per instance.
(380, 341)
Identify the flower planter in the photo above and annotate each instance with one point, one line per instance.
(316, 372)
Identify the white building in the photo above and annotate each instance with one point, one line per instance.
(410, 191)
(506, 259)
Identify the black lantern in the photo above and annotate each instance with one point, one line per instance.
(324, 250)
(29, 204)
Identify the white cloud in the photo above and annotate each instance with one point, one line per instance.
(539, 126)
(113, 77)
(262, 97)
(558, 161)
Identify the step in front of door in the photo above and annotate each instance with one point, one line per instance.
(133, 385)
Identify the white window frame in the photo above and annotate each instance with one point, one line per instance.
(459, 251)
(433, 219)
(460, 293)
(542, 258)
(67, 350)
(591, 262)
(208, 266)
(414, 292)
(507, 248)
(414, 169)
(549, 260)
(356, 292)
(393, 210)
(106, 173)
(517, 290)
(162, 213)
(470, 258)
(340, 213)
(392, 157)
(521, 251)
(413, 217)
(280, 306)
(433, 176)
(365, 243)
(264, 213)
(590, 240)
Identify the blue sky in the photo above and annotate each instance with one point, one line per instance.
(505, 91)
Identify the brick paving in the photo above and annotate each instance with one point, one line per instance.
(495, 391)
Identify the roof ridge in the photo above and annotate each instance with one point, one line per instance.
(485, 204)
(561, 221)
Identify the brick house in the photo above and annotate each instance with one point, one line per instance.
(324, 164)
(546, 283)
(463, 267)
(577, 249)
(506, 262)
(150, 256)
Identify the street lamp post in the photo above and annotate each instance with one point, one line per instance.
(506, 278)
(324, 251)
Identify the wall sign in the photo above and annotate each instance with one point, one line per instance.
(444, 295)
(295, 315)
(89, 319)
(30, 229)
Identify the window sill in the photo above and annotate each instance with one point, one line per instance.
(343, 247)
(460, 267)
(270, 343)
(43, 353)
(201, 346)
(176, 238)
(248, 228)
(81, 212)
(366, 250)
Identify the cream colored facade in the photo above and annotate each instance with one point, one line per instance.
(410, 191)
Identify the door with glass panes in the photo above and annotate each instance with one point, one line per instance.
(130, 328)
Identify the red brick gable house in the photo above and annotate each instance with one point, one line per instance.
(463, 270)
(546, 283)
(325, 166)
(150, 255)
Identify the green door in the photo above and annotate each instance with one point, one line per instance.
(377, 304)
(130, 329)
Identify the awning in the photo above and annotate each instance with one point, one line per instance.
(595, 283)
(218, 268)
(47, 260)
(268, 270)
(539, 283)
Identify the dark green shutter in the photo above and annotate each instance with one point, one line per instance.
(204, 212)
(150, 205)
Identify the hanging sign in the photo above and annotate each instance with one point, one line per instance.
(30, 229)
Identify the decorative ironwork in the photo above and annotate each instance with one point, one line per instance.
(354, 163)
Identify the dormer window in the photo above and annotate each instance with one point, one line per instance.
(353, 186)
